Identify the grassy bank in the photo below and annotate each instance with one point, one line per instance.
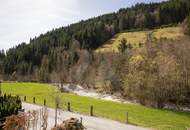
(138, 115)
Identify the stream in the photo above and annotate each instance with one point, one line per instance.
(78, 90)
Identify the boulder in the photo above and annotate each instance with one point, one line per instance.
(70, 124)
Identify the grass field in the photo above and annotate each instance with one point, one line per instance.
(138, 115)
(174, 33)
(134, 38)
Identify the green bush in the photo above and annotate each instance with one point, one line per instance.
(9, 105)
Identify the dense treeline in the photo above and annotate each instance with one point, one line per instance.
(26, 59)
(2, 58)
(158, 74)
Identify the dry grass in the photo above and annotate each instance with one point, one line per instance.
(174, 33)
(134, 38)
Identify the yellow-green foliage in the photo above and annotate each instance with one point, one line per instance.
(174, 33)
(134, 38)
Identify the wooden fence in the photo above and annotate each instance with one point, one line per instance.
(69, 108)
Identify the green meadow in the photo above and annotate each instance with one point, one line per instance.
(138, 115)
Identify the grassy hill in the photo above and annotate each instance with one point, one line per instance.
(138, 115)
(136, 37)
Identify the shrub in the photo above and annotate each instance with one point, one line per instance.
(9, 105)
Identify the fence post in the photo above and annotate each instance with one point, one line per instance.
(81, 120)
(127, 120)
(91, 111)
(44, 102)
(34, 100)
(69, 106)
(25, 98)
(56, 114)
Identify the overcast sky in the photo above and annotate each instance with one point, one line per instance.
(21, 20)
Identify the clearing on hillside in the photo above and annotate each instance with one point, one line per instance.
(134, 38)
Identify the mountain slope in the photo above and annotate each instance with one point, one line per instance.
(90, 34)
(137, 37)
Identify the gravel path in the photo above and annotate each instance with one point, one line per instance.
(91, 123)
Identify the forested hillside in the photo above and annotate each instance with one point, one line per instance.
(25, 58)
(155, 73)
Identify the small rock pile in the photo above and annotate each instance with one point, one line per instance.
(70, 124)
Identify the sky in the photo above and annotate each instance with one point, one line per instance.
(21, 20)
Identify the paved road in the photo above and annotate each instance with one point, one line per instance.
(91, 123)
